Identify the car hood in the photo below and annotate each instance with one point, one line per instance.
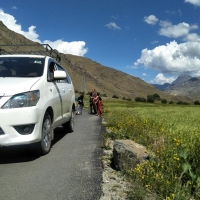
(11, 86)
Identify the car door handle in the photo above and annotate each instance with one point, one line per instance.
(63, 90)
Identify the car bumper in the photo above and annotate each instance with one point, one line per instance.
(10, 118)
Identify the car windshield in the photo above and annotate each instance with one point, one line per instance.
(21, 66)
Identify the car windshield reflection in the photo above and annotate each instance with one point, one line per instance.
(21, 67)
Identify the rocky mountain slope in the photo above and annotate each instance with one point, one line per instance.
(184, 85)
(87, 74)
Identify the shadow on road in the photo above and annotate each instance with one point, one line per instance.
(25, 153)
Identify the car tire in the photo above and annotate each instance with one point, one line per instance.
(69, 126)
(45, 143)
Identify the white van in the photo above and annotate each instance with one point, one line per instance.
(36, 96)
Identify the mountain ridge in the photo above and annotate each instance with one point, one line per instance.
(184, 85)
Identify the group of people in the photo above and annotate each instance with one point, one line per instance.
(95, 102)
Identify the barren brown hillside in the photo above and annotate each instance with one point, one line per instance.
(109, 81)
(104, 79)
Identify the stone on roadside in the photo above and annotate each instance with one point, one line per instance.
(127, 154)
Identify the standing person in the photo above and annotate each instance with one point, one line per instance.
(98, 104)
(80, 104)
(94, 94)
(100, 108)
(95, 101)
(92, 104)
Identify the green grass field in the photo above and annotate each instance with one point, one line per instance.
(172, 133)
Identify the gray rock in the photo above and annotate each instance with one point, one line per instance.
(127, 154)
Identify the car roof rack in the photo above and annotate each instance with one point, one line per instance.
(34, 49)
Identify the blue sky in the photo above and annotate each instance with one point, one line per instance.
(155, 40)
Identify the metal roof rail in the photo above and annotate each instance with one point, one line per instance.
(46, 50)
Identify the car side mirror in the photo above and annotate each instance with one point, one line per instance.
(59, 75)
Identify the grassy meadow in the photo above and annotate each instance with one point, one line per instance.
(172, 134)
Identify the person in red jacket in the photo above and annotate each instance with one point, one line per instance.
(100, 108)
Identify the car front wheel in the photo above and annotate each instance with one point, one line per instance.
(45, 143)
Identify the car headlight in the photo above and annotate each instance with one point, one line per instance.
(26, 99)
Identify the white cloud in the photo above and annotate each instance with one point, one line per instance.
(161, 79)
(170, 12)
(11, 24)
(154, 42)
(115, 17)
(75, 47)
(144, 74)
(172, 58)
(151, 19)
(14, 8)
(31, 34)
(193, 37)
(175, 31)
(194, 2)
(131, 66)
(113, 25)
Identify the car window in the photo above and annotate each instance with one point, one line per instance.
(51, 69)
(21, 67)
